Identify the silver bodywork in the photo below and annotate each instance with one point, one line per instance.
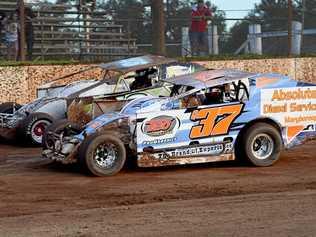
(54, 100)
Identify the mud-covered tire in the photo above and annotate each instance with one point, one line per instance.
(32, 129)
(9, 107)
(102, 154)
(58, 127)
(260, 145)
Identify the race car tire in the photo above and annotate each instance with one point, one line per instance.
(262, 145)
(57, 127)
(33, 128)
(8, 107)
(102, 154)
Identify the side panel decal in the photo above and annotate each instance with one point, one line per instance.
(176, 128)
(294, 108)
(214, 121)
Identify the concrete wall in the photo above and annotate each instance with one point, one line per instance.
(19, 83)
(300, 68)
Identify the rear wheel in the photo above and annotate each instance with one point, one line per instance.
(102, 154)
(9, 107)
(33, 127)
(261, 145)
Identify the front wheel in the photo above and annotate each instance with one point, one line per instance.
(102, 154)
(261, 145)
(33, 127)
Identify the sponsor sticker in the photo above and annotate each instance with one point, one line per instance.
(159, 126)
(210, 150)
(160, 141)
(290, 106)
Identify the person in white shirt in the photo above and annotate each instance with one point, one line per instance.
(10, 27)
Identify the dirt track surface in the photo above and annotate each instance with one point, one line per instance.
(38, 198)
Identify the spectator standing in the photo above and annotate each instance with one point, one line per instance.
(2, 17)
(10, 26)
(198, 31)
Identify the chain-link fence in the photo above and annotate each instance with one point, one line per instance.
(75, 32)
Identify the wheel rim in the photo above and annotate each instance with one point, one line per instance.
(38, 130)
(262, 146)
(105, 155)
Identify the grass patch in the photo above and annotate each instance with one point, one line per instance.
(38, 63)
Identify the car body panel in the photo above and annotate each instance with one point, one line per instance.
(57, 108)
(48, 90)
(209, 78)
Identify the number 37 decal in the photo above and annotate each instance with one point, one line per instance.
(214, 121)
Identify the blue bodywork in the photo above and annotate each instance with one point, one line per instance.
(172, 131)
(251, 112)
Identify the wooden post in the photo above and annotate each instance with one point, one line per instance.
(290, 19)
(79, 29)
(158, 27)
(22, 29)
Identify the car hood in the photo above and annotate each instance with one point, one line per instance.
(75, 87)
(36, 104)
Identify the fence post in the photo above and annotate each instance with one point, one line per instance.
(212, 38)
(251, 38)
(254, 39)
(21, 8)
(258, 39)
(42, 39)
(296, 38)
(186, 46)
(158, 26)
(128, 35)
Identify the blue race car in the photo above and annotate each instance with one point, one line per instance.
(214, 115)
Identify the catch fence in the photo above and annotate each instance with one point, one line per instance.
(85, 33)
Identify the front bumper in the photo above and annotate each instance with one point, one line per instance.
(9, 124)
(10, 120)
(62, 149)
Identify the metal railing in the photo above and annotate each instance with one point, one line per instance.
(80, 33)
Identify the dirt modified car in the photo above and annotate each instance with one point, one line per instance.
(220, 115)
(124, 79)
